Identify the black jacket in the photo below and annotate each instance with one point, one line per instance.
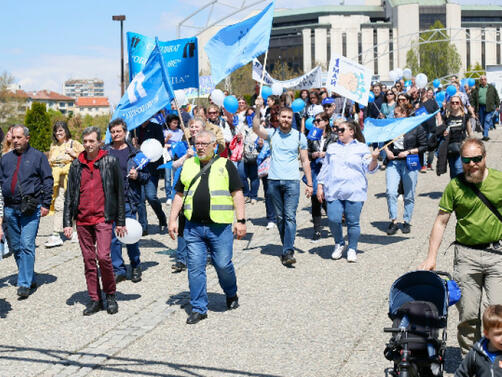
(132, 187)
(34, 177)
(111, 177)
(416, 138)
(315, 145)
(477, 363)
(492, 99)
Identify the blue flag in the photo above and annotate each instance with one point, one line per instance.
(381, 130)
(236, 45)
(181, 58)
(149, 92)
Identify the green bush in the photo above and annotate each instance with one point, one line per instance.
(38, 122)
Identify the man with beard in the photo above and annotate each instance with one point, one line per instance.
(477, 263)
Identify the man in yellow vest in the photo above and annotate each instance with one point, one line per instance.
(208, 191)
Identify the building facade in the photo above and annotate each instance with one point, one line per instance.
(92, 106)
(84, 88)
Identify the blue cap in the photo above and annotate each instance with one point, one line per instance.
(328, 101)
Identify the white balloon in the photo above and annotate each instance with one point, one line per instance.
(134, 232)
(392, 76)
(152, 149)
(181, 98)
(399, 73)
(217, 96)
(421, 80)
(407, 74)
(276, 89)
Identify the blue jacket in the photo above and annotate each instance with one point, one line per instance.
(132, 187)
(34, 177)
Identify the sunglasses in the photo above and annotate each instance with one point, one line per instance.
(212, 112)
(475, 159)
(317, 120)
(455, 103)
(402, 99)
(327, 105)
(390, 94)
(340, 129)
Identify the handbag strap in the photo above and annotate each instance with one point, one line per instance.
(202, 171)
(481, 196)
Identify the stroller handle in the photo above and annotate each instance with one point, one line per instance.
(400, 329)
(444, 273)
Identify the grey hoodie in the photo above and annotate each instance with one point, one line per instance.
(478, 364)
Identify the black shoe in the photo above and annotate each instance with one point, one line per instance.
(111, 304)
(93, 307)
(136, 275)
(485, 138)
(392, 229)
(23, 292)
(33, 285)
(232, 302)
(195, 317)
(288, 259)
(145, 233)
(178, 267)
(317, 236)
(406, 228)
(162, 228)
(119, 278)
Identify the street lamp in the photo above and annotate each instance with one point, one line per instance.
(121, 18)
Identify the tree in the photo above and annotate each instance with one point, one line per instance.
(282, 71)
(9, 102)
(437, 58)
(475, 72)
(38, 122)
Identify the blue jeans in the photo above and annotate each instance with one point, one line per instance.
(218, 239)
(149, 192)
(352, 211)
(167, 182)
(397, 170)
(21, 233)
(486, 119)
(181, 251)
(119, 267)
(285, 195)
(455, 164)
(249, 170)
(269, 206)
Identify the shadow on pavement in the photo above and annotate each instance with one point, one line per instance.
(40, 279)
(452, 359)
(151, 243)
(60, 357)
(432, 195)
(380, 240)
(82, 297)
(5, 307)
(216, 302)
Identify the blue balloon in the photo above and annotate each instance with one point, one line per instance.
(451, 90)
(471, 82)
(309, 123)
(265, 92)
(298, 105)
(463, 82)
(230, 104)
(440, 97)
(407, 83)
(371, 97)
(436, 83)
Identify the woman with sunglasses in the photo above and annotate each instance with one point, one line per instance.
(388, 105)
(453, 131)
(413, 142)
(317, 151)
(343, 184)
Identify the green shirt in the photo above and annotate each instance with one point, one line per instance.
(476, 224)
(482, 94)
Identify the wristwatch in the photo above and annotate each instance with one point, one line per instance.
(242, 221)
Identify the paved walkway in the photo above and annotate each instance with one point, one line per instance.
(321, 318)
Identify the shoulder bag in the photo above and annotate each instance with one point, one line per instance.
(481, 196)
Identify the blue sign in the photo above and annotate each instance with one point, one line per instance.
(181, 58)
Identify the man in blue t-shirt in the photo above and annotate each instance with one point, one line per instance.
(284, 177)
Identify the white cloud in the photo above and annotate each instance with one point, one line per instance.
(50, 72)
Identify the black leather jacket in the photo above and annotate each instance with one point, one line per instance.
(416, 138)
(111, 177)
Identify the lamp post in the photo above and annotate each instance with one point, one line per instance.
(121, 18)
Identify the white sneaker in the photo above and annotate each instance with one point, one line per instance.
(270, 225)
(337, 253)
(74, 237)
(169, 202)
(54, 241)
(351, 256)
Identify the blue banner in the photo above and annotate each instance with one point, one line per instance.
(236, 45)
(181, 58)
(149, 92)
(382, 130)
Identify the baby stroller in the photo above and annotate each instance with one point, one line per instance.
(418, 308)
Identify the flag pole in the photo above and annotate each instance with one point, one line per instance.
(263, 71)
(343, 109)
(182, 124)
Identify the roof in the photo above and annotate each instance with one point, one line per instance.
(92, 102)
(473, 8)
(328, 9)
(395, 3)
(48, 95)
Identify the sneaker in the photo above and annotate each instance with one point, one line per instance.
(485, 138)
(248, 200)
(351, 256)
(317, 236)
(253, 201)
(111, 304)
(429, 167)
(74, 237)
(178, 267)
(337, 253)
(169, 202)
(392, 229)
(54, 241)
(406, 228)
(423, 169)
(270, 225)
(288, 259)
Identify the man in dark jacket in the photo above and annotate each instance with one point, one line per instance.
(150, 130)
(485, 100)
(24, 173)
(95, 199)
(133, 178)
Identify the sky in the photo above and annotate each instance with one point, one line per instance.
(47, 42)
